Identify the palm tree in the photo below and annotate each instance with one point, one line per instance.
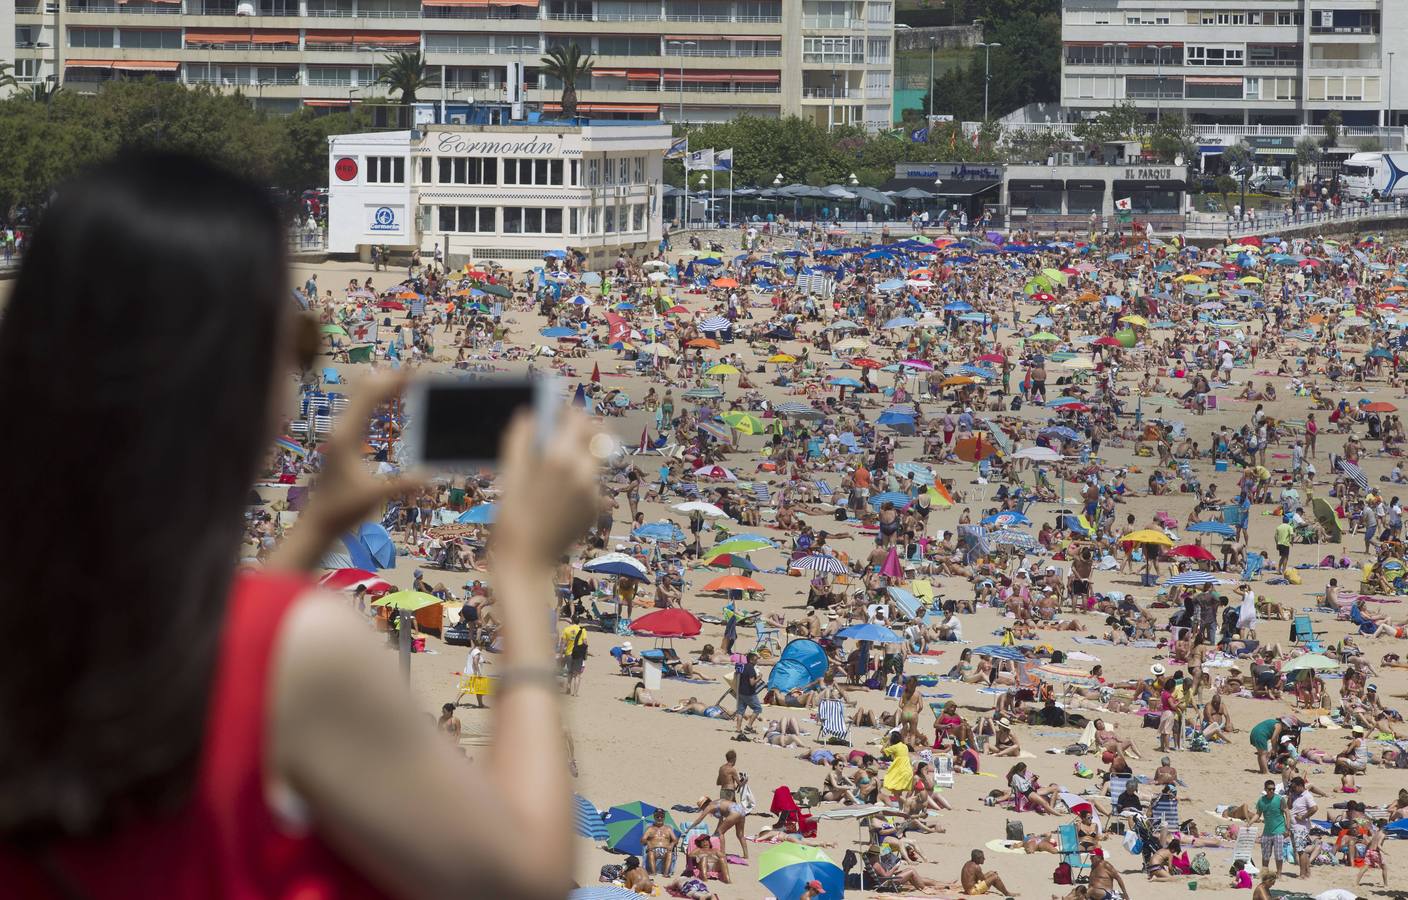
(7, 78)
(405, 72)
(567, 65)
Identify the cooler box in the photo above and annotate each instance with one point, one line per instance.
(1220, 465)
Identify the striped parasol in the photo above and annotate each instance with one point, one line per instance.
(1186, 579)
(1354, 473)
(899, 500)
(1011, 654)
(1006, 537)
(1221, 528)
(798, 410)
(819, 562)
(586, 819)
(715, 323)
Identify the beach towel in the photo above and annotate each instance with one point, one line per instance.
(831, 721)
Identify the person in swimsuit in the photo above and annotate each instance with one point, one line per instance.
(660, 841)
(707, 861)
(1103, 878)
(976, 881)
(730, 818)
(911, 703)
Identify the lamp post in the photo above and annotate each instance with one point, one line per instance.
(1115, 57)
(1159, 74)
(708, 207)
(681, 45)
(832, 123)
(987, 71)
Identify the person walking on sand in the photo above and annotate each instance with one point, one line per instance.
(748, 686)
(976, 881)
(729, 779)
(1273, 811)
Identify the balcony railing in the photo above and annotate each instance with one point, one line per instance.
(1270, 63)
(730, 52)
(652, 87)
(843, 22)
(158, 9)
(825, 93)
(248, 87)
(1154, 95)
(244, 46)
(1345, 63)
(1344, 29)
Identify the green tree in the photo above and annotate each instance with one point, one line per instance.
(1225, 185)
(7, 77)
(1172, 137)
(1122, 122)
(404, 72)
(1308, 155)
(303, 146)
(1332, 125)
(567, 65)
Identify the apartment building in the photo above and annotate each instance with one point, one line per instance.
(1238, 62)
(692, 60)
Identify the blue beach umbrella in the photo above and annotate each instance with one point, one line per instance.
(1212, 528)
(483, 514)
(586, 818)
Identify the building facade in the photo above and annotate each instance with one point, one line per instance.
(1274, 62)
(502, 193)
(696, 60)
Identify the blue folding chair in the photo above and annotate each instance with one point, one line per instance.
(1252, 570)
(1071, 854)
(1302, 632)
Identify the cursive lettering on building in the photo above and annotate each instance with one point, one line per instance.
(452, 143)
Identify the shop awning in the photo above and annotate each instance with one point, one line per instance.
(642, 75)
(532, 3)
(88, 64)
(1077, 184)
(386, 39)
(333, 104)
(125, 65)
(1036, 184)
(1132, 187)
(454, 2)
(756, 77)
(1129, 43)
(328, 37)
(697, 76)
(608, 73)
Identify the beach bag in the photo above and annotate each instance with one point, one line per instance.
(1200, 865)
(1151, 720)
(1132, 843)
(1015, 830)
(1062, 875)
(612, 872)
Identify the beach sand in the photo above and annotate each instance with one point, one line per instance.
(627, 753)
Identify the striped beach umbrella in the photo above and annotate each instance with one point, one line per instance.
(586, 819)
(819, 562)
(1190, 579)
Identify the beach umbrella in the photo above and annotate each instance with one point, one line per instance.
(668, 623)
(782, 358)
(901, 422)
(699, 506)
(732, 561)
(1220, 528)
(899, 500)
(733, 583)
(718, 473)
(618, 564)
(721, 369)
(1007, 519)
(1380, 406)
(715, 323)
(1147, 536)
(410, 601)
(1011, 654)
(703, 393)
(625, 825)
(851, 344)
(1192, 579)
(1037, 454)
(1328, 519)
(1194, 552)
(334, 329)
(914, 470)
(869, 631)
(1064, 433)
(819, 562)
(1314, 661)
(586, 819)
(741, 545)
(1064, 675)
(602, 892)
(1009, 538)
(1043, 336)
(703, 343)
(744, 422)
(787, 868)
(351, 579)
(370, 547)
(841, 381)
(958, 381)
(974, 449)
(483, 514)
(659, 531)
(798, 410)
(1355, 474)
(1135, 320)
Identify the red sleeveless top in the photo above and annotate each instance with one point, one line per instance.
(225, 844)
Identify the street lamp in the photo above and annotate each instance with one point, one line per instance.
(777, 182)
(987, 72)
(853, 180)
(1159, 73)
(681, 45)
(1115, 56)
(832, 123)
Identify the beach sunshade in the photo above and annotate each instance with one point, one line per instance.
(733, 583)
(668, 532)
(1147, 536)
(1218, 528)
(1194, 552)
(668, 623)
(974, 449)
(1007, 519)
(1355, 474)
(869, 631)
(351, 579)
(703, 343)
(618, 564)
(1328, 519)
(721, 369)
(733, 561)
(483, 514)
(741, 545)
(1316, 662)
(1011, 654)
(1037, 454)
(625, 825)
(370, 547)
(745, 422)
(1043, 336)
(782, 358)
(1379, 406)
(1064, 675)
(699, 506)
(602, 892)
(1192, 579)
(786, 869)
(586, 819)
(819, 562)
(410, 601)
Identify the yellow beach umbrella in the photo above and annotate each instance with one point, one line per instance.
(1189, 279)
(1147, 536)
(782, 358)
(1250, 279)
(1136, 320)
(721, 369)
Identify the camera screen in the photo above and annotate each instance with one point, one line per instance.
(467, 421)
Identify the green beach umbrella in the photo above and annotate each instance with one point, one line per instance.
(410, 601)
(1043, 336)
(1127, 338)
(334, 329)
(786, 869)
(626, 824)
(742, 421)
(740, 545)
(1314, 661)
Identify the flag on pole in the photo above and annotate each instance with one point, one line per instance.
(700, 159)
(1124, 204)
(723, 161)
(679, 149)
(919, 136)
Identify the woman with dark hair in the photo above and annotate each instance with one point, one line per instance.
(206, 732)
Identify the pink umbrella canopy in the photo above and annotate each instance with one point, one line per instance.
(668, 623)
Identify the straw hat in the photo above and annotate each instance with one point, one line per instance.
(1157, 669)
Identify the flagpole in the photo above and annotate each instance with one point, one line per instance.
(730, 190)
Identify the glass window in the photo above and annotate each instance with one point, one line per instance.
(623, 169)
(90, 37)
(572, 220)
(638, 217)
(638, 170)
(592, 219)
(513, 220)
(576, 175)
(608, 220)
(448, 218)
(151, 39)
(386, 170)
(552, 221)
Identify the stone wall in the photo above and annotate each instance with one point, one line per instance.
(945, 37)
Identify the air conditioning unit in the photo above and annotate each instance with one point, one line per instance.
(246, 8)
(1066, 159)
(457, 118)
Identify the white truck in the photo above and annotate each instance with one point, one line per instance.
(1375, 176)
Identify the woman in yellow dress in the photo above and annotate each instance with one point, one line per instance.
(899, 778)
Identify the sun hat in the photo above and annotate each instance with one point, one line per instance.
(626, 645)
(815, 885)
(1157, 669)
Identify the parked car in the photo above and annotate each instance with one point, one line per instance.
(1270, 184)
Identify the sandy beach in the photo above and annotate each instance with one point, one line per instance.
(626, 752)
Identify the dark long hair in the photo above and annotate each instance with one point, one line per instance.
(137, 358)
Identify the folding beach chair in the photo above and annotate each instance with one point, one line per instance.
(1303, 632)
(1165, 811)
(1071, 853)
(1246, 843)
(760, 492)
(766, 639)
(832, 724)
(1117, 785)
(824, 491)
(943, 771)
